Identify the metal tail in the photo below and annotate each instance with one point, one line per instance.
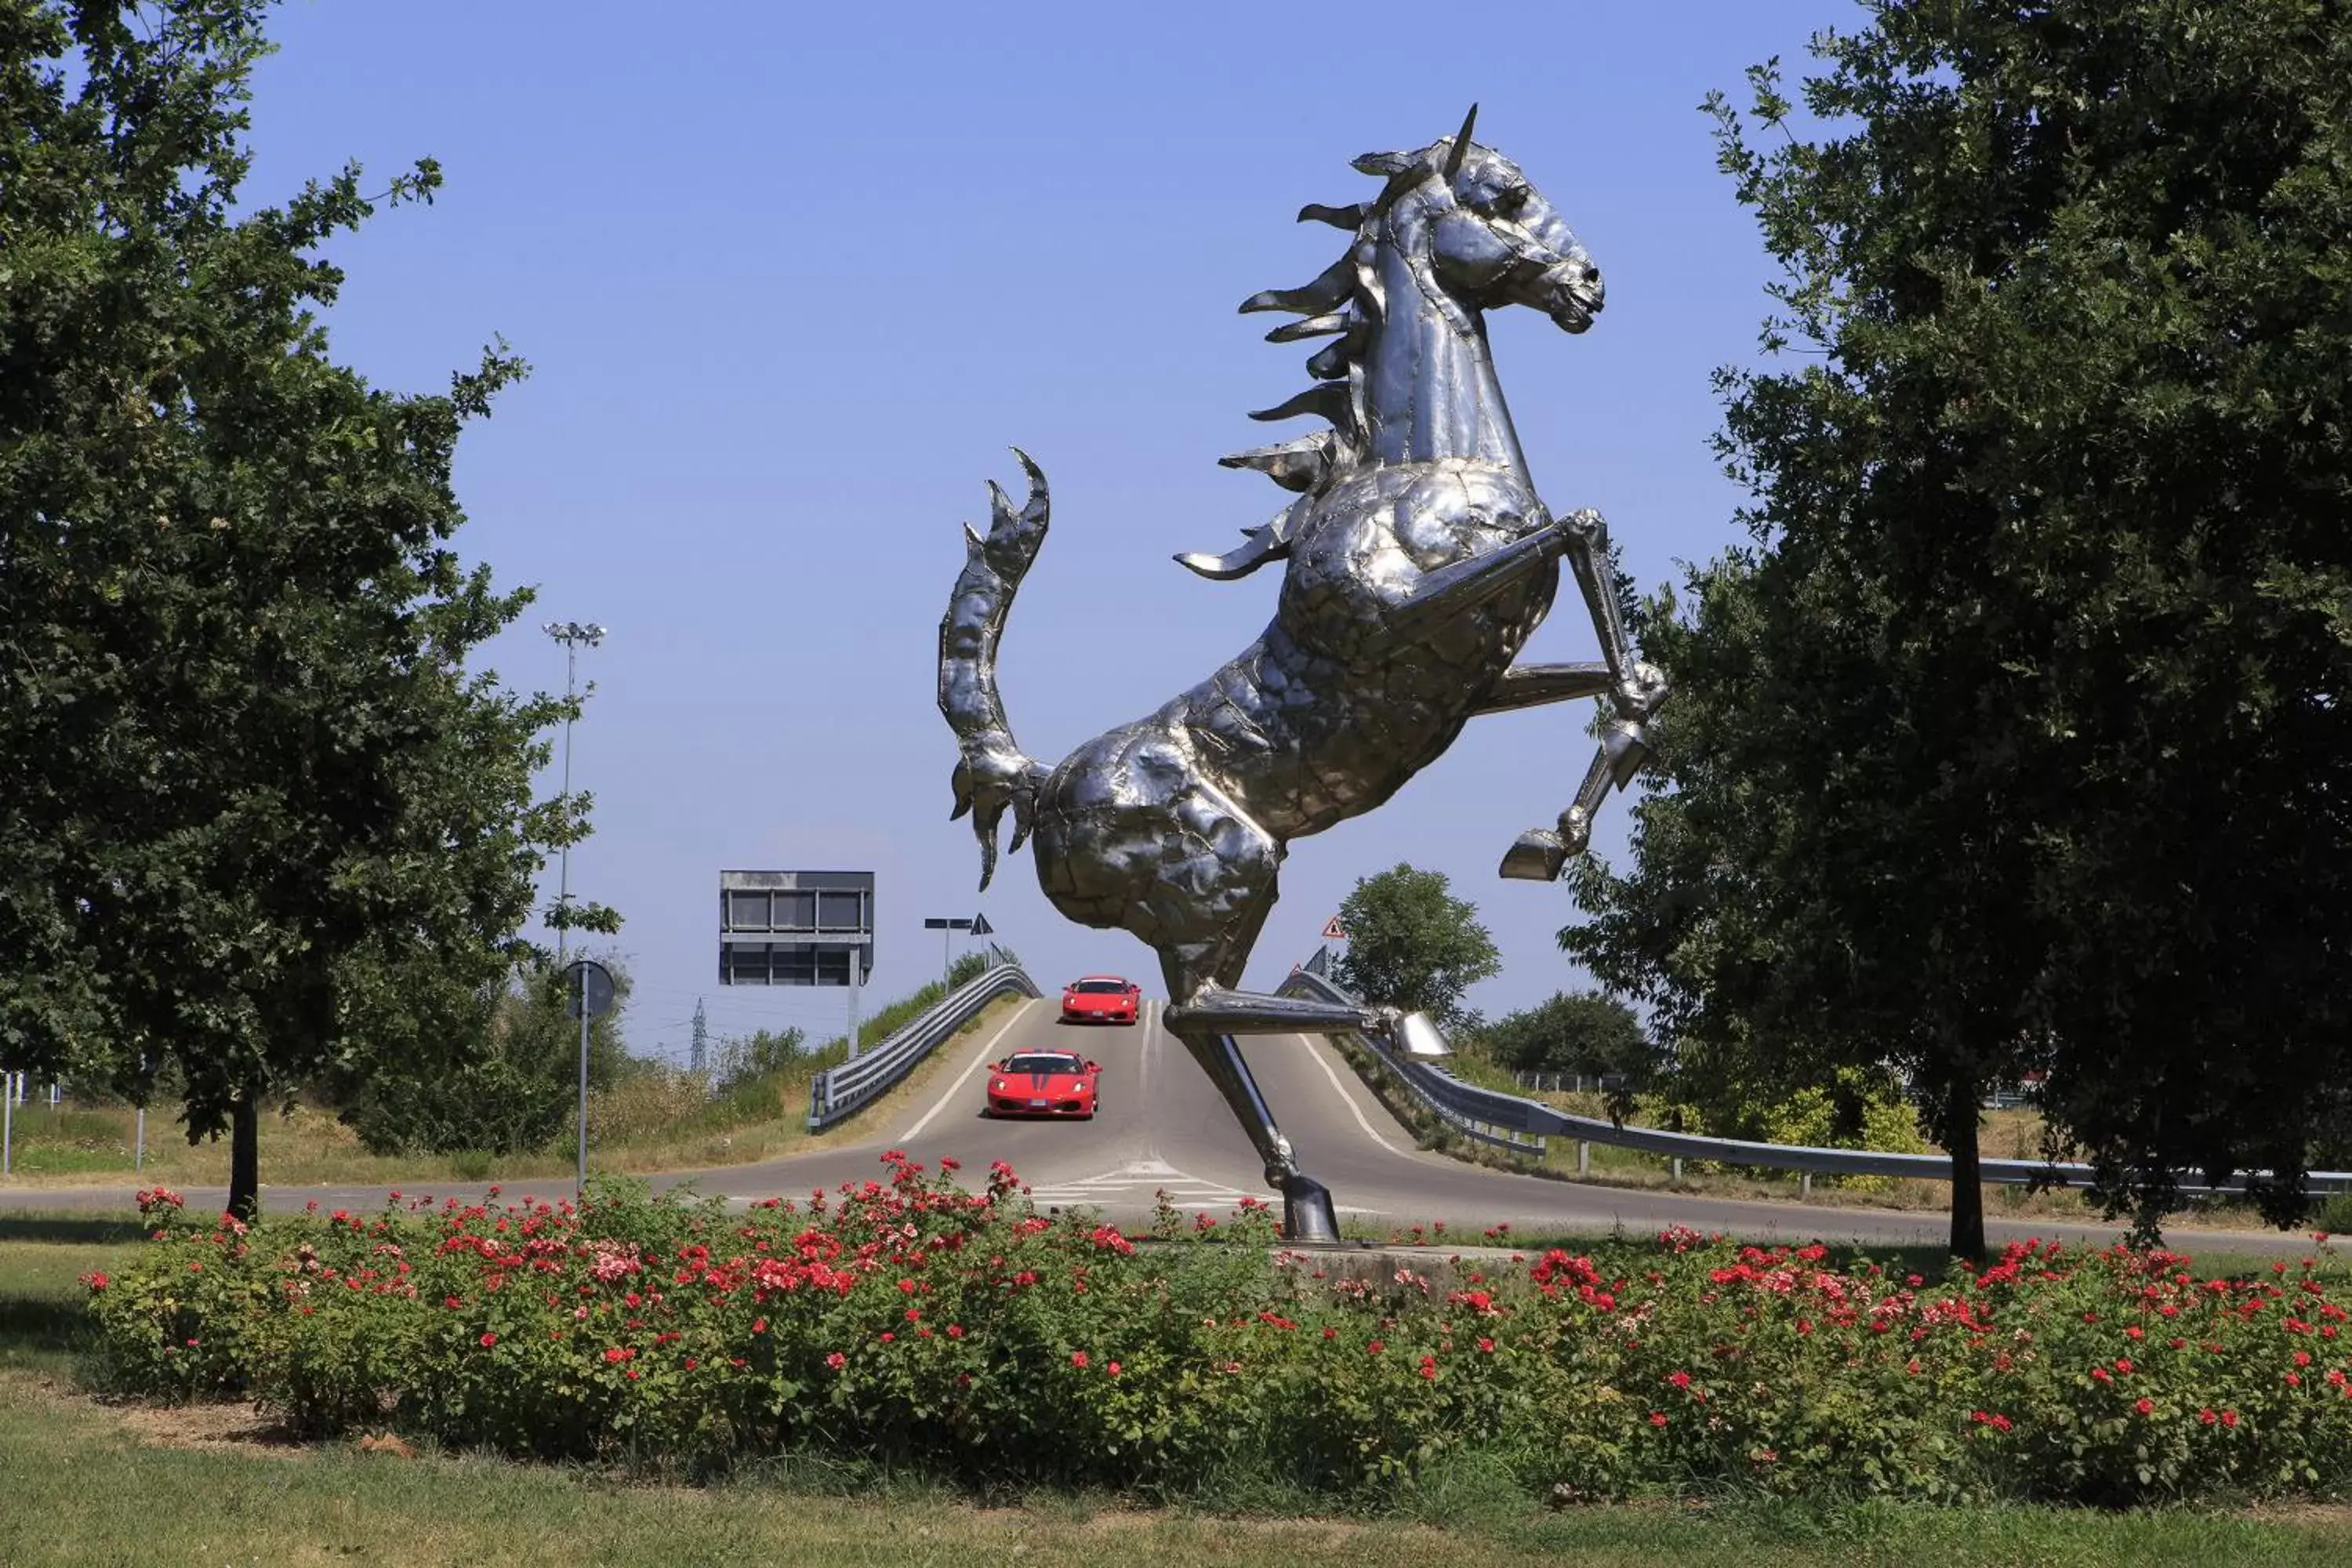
(994, 772)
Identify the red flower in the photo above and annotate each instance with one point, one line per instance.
(759, 1325)
(955, 1331)
(1079, 1358)
(2146, 1406)
(1376, 1347)
(2207, 1416)
(489, 1340)
(1112, 1368)
(1657, 1417)
(1487, 1346)
(2229, 1418)
(97, 1280)
(1429, 1367)
(1680, 1380)
(836, 1361)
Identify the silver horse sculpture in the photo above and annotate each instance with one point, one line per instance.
(1419, 561)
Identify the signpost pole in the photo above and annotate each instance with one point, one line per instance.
(582, 1190)
(856, 953)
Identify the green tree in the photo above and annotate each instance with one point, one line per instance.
(252, 790)
(1573, 1032)
(1411, 944)
(2019, 736)
(494, 1069)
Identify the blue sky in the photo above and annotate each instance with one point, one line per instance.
(793, 278)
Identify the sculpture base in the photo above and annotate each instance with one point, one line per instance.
(1308, 1217)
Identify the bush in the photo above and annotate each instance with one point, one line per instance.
(501, 1076)
(909, 1323)
(758, 1054)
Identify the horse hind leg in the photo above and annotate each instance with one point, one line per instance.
(1234, 874)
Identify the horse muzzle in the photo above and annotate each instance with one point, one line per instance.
(1570, 293)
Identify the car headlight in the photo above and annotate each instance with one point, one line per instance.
(996, 1086)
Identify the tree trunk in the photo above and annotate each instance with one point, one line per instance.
(1967, 1188)
(244, 1159)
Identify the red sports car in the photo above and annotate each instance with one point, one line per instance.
(1044, 1083)
(1102, 999)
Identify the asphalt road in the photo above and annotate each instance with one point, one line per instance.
(1163, 1127)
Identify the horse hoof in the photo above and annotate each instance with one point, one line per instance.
(1535, 855)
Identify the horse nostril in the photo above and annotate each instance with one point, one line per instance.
(1591, 273)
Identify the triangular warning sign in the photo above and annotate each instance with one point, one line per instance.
(1333, 930)
(980, 926)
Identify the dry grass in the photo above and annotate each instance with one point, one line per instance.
(642, 1126)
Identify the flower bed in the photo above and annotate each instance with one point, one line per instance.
(908, 1321)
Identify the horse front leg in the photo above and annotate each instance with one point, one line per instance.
(1635, 689)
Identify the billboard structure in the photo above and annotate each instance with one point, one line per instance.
(797, 927)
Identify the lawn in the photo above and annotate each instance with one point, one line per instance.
(108, 1484)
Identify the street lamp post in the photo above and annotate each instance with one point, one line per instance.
(571, 634)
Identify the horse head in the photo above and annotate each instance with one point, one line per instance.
(1482, 230)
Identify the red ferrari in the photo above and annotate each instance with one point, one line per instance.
(1044, 1083)
(1102, 999)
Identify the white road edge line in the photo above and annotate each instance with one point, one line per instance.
(1354, 1109)
(911, 1133)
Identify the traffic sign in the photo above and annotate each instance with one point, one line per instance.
(587, 985)
(1333, 930)
(980, 926)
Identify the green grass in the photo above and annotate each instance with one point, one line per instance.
(42, 1260)
(104, 1485)
(168, 1488)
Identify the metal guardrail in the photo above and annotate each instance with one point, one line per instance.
(842, 1091)
(1492, 1117)
(1427, 1085)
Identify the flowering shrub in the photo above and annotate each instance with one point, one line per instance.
(909, 1320)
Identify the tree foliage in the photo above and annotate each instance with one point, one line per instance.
(252, 791)
(1582, 1032)
(499, 1073)
(1411, 944)
(2018, 736)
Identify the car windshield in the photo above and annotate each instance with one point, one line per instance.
(1035, 1063)
(1100, 988)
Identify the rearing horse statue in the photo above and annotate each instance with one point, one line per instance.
(1419, 561)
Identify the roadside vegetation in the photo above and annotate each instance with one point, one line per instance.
(643, 1117)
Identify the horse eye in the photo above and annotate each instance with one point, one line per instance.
(1511, 200)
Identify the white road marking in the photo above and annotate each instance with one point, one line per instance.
(1341, 1090)
(955, 1089)
(1149, 1177)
